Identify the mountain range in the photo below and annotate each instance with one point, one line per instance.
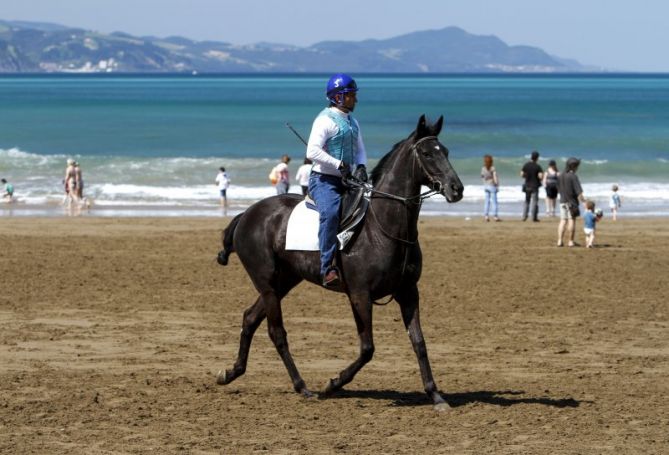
(33, 47)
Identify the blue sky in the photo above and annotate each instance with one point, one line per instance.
(615, 34)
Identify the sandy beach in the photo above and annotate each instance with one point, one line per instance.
(113, 330)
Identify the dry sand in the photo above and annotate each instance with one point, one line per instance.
(113, 331)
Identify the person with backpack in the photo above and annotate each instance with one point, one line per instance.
(280, 176)
(571, 193)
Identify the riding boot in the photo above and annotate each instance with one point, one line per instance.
(331, 279)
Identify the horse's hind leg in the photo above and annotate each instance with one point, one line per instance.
(362, 312)
(279, 337)
(408, 300)
(253, 317)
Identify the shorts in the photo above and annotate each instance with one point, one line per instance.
(223, 193)
(551, 192)
(565, 214)
(588, 231)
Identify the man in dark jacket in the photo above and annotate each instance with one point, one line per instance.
(532, 173)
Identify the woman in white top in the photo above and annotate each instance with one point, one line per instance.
(490, 185)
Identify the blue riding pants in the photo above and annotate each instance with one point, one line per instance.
(327, 190)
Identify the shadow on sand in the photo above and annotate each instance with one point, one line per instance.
(498, 398)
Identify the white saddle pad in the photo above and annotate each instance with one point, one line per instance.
(302, 232)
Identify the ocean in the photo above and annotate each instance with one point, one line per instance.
(151, 145)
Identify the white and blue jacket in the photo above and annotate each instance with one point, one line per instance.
(335, 137)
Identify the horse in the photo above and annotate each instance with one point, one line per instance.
(390, 226)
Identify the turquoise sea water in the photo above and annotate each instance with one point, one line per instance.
(147, 141)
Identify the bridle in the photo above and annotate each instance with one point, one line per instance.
(417, 200)
(435, 185)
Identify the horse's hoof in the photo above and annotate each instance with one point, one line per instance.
(306, 393)
(442, 407)
(331, 387)
(222, 378)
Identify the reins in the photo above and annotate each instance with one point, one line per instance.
(417, 200)
(420, 197)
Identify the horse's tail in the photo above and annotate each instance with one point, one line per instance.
(227, 237)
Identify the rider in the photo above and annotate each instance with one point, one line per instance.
(335, 147)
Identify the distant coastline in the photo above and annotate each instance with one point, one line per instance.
(52, 48)
(256, 75)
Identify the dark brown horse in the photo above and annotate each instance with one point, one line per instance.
(384, 260)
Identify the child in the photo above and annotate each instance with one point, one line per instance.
(590, 219)
(614, 203)
(223, 182)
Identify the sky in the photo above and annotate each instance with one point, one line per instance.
(612, 34)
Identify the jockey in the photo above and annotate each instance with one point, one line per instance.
(335, 147)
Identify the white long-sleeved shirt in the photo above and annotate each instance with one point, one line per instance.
(323, 129)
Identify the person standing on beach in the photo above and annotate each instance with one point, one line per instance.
(335, 146)
(614, 202)
(79, 179)
(532, 173)
(569, 187)
(490, 186)
(282, 175)
(223, 182)
(9, 191)
(551, 185)
(302, 175)
(70, 182)
(590, 219)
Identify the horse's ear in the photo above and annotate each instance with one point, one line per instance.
(436, 128)
(421, 128)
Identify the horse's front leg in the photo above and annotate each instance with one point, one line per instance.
(408, 300)
(362, 312)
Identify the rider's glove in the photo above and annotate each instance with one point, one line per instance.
(361, 173)
(345, 170)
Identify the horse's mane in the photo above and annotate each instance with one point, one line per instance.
(380, 167)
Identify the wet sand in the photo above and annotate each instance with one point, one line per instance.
(113, 330)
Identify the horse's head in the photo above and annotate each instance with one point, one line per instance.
(431, 159)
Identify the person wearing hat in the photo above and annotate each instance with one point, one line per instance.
(569, 187)
(335, 147)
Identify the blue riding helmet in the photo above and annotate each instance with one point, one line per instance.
(340, 83)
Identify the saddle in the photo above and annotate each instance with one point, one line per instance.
(302, 231)
(351, 203)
